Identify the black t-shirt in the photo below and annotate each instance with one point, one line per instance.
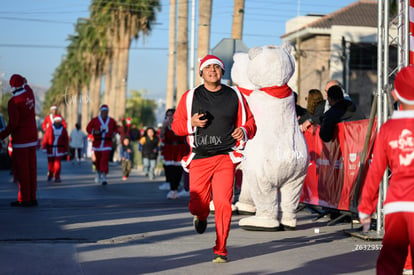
(221, 109)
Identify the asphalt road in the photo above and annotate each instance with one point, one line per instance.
(129, 227)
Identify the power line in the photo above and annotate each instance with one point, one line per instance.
(64, 47)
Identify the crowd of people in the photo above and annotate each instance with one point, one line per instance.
(199, 144)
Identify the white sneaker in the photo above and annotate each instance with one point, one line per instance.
(172, 195)
(184, 193)
(164, 186)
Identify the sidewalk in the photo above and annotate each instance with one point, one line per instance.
(129, 227)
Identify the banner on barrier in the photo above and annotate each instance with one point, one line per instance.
(331, 180)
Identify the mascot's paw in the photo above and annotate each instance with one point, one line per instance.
(288, 224)
(283, 227)
(245, 209)
(259, 224)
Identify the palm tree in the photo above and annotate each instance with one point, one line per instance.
(238, 15)
(182, 49)
(204, 25)
(124, 20)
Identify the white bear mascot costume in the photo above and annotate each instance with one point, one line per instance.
(245, 204)
(277, 157)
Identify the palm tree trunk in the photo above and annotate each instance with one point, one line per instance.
(204, 13)
(171, 55)
(107, 81)
(182, 49)
(238, 15)
(95, 93)
(125, 42)
(84, 101)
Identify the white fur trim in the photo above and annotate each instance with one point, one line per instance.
(403, 114)
(399, 206)
(25, 145)
(402, 99)
(211, 61)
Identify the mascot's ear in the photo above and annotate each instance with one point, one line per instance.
(253, 52)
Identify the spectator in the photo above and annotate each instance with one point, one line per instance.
(300, 111)
(56, 143)
(126, 157)
(135, 136)
(341, 110)
(328, 85)
(77, 143)
(315, 109)
(174, 149)
(149, 150)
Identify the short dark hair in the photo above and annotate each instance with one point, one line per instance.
(335, 93)
(171, 110)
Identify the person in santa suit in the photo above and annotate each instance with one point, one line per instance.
(23, 130)
(48, 121)
(56, 143)
(394, 148)
(103, 128)
(217, 122)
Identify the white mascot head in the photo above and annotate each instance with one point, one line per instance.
(239, 71)
(270, 65)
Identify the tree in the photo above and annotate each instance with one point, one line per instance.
(182, 49)
(204, 26)
(238, 15)
(141, 110)
(124, 21)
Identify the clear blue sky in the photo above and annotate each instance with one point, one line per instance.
(33, 35)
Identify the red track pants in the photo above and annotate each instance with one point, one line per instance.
(25, 171)
(102, 160)
(213, 175)
(54, 166)
(399, 234)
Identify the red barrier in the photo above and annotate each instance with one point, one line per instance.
(334, 166)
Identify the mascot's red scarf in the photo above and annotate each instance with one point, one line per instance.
(274, 91)
(278, 91)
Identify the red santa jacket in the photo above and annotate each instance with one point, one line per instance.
(174, 148)
(22, 121)
(102, 132)
(182, 125)
(394, 147)
(49, 121)
(56, 141)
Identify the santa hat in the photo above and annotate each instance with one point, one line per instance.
(104, 107)
(53, 107)
(57, 118)
(128, 121)
(404, 85)
(210, 59)
(17, 81)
